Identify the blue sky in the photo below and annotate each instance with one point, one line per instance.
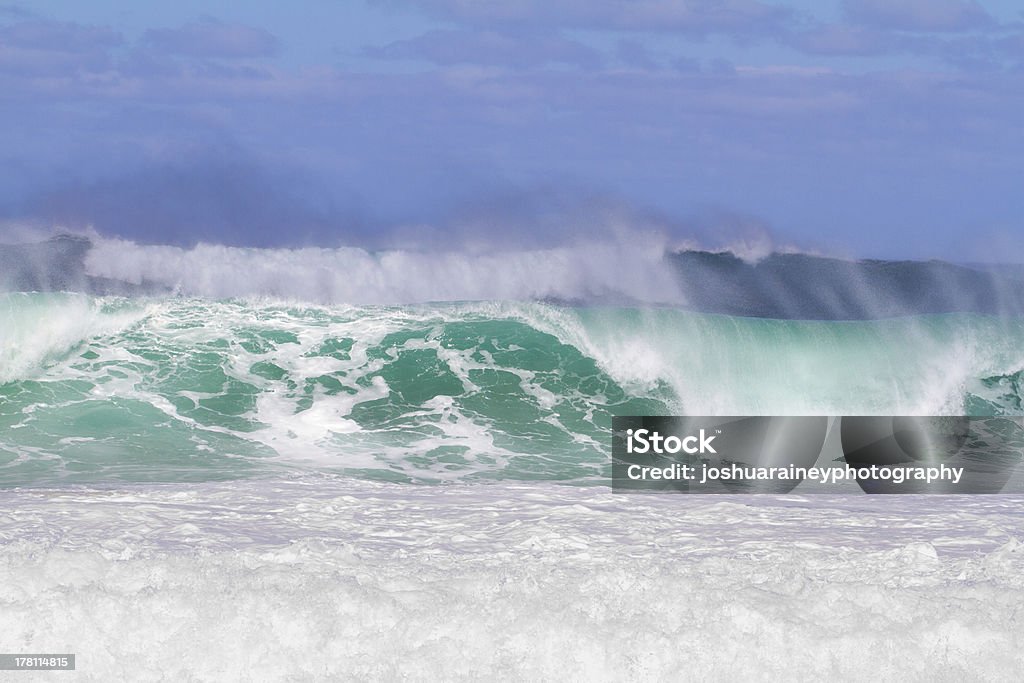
(881, 128)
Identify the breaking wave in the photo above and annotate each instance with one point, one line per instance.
(634, 269)
(602, 271)
(179, 388)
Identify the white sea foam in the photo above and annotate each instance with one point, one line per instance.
(320, 578)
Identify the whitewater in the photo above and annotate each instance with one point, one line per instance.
(322, 463)
(324, 578)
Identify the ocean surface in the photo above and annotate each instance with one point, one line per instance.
(271, 464)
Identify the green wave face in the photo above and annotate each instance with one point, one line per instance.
(93, 389)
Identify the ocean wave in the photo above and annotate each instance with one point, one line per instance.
(195, 389)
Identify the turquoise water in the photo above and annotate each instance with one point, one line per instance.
(177, 389)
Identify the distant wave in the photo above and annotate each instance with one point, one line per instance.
(631, 270)
(607, 272)
(800, 286)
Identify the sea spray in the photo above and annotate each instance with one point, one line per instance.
(636, 272)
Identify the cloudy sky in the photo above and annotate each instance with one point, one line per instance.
(859, 127)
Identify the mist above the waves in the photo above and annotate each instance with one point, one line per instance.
(543, 243)
(536, 245)
(214, 191)
(614, 271)
(549, 246)
(572, 246)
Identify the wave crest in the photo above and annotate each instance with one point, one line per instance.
(609, 272)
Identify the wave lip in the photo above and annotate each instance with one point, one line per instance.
(36, 328)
